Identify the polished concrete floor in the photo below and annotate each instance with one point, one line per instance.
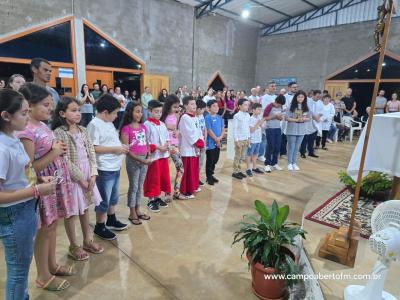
(185, 251)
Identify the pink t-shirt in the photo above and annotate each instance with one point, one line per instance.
(41, 136)
(136, 138)
(172, 120)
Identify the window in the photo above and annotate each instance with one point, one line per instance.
(52, 43)
(100, 52)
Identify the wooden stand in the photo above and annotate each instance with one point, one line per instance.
(341, 244)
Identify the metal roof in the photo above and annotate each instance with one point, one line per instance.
(280, 16)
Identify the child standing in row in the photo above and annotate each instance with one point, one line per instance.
(273, 114)
(241, 136)
(109, 155)
(81, 160)
(170, 117)
(297, 116)
(215, 133)
(191, 141)
(200, 109)
(134, 134)
(18, 217)
(46, 155)
(157, 178)
(256, 122)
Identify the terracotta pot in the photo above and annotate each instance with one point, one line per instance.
(267, 288)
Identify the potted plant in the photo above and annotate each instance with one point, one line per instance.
(376, 185)
(265, 240)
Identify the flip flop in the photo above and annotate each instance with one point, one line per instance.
(144, 217)
(135, 221)
(45, 286)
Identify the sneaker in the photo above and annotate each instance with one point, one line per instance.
(249, 173)
(190, 197)
(242, 174)
(161, 203)
(114, 224)
(237, 176)
(290, 167)
(296, 167)
(313, 155)
(201, 183)
(210, 181)
(261, 158)
(258, 171)
(198, 190)
(102, 232)
(215, 179)
(277, 167)
(329, 141)
(268, 169)
(153, 206)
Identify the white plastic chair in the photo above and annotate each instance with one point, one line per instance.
(352, 125)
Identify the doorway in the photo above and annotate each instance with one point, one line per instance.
(217, 83)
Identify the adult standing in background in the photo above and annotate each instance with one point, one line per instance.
(2, 84)
(146, 98)
(381, 102)
(163, 96)
(86, 101)
(96, 93)
(41, 70)
(15, 82)
(134, 95)
(350, 103)
(122, 101)
(209, 96)
(393, 105)
(104, 89)
(127, 96)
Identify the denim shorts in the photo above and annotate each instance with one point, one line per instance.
(108, 184)
(253, 149)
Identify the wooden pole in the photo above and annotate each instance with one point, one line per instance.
(370, 119)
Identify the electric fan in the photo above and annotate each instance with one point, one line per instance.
(385, 241)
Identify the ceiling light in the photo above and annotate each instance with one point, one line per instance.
(356, 71)
(383, 64)
(245, 14)
(368, 70)
(102, 44)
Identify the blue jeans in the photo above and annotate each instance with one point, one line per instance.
(108, 185)
(332, 131)
(18, 226)
(274, 140)
(294, 143)
(262, 151)
(145, 114)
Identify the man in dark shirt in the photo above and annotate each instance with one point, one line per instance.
(350, 103)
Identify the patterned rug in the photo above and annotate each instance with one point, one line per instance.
(336, 211)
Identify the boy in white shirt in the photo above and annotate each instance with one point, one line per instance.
(255, 123)
(200, 109)
(241, 136)
(109, 155)
(157, 176)
(191, 141)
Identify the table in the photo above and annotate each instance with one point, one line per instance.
(383, 154)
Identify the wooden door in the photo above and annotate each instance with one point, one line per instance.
(106, 77)
(334, 87)
(156, 83)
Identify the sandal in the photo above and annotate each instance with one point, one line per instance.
(66, 272)
(77, 253)
(135, 221)
(144, 217)
(93, 248)
(64, 284)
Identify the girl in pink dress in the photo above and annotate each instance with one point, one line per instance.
(81, 160)
(46, 155)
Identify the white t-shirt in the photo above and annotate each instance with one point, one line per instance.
(207, 98)
(13, 161)
(267, 99)
(255, 136)
(104, 134)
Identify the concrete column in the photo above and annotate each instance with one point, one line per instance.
(80, 53)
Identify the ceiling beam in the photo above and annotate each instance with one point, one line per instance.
(237, 15)
(271, 8)
(333, 7)
(205, 8)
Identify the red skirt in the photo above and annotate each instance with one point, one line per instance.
(157, 179)
(190, 179)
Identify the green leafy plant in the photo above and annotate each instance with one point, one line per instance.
(372, 183)
(264, 237)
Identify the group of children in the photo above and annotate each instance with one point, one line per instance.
(52, 169)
